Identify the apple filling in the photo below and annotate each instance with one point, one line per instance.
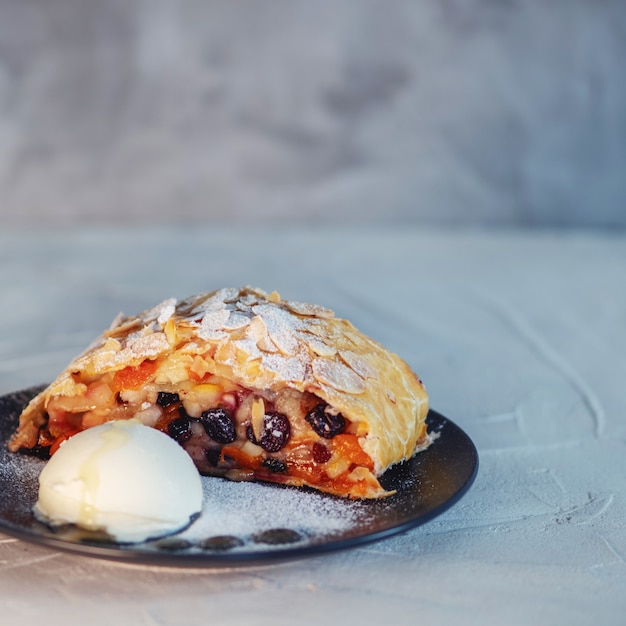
(282, 436)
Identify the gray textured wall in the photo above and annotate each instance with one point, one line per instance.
(496, 111)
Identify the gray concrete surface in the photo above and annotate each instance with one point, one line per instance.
(440, 111)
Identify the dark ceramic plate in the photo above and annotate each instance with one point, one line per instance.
(427, 485)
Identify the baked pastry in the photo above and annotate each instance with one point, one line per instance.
(252, 386)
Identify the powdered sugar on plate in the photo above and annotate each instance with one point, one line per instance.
(244, 510)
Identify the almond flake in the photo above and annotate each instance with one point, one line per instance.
(257, 330)
(319, 347)
(258, 417)
(292, 369)
(227, 294)
(280, 327)
(311, 310)
(236, 321)
(167, 309)
(357, 363)
(337, 376)
(213, 323)
(147, 346)
(170, 331)
(267, 345)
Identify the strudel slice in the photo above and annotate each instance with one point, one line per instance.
(252, 386)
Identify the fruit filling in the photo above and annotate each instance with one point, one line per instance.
(283, 436)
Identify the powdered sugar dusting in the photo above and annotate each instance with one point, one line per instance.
(167, 310)
(19, 474)
(280, 327)
(236, 320)
(244, 509)
(338, 376)
(357, 363)
(149, 345)
(319, 347)
(213, 323)
(292, 369)
(27, 468)
(306, 308)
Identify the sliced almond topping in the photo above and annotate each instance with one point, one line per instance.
(147, 346)
(111, 345)
(337, 376)
(256, 333)
(236, 321)
(227, 294)
(267, 345)
(213, 323)
(319, 347)
(257, 330)
(116, 323)
(312, 310)
(246, 300)
(165, 310)
(357, 363)
(280, 327)
(285, 341)
(291, 369)
(170, 331)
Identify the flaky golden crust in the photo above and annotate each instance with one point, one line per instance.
(262, 342)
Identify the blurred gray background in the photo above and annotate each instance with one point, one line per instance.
(505, 112)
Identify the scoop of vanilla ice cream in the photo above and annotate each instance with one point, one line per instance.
(126, 479)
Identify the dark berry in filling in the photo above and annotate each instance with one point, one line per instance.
(325, 424)
(274, 465)
(165, 398)
(276, 430)
(180, 429)
(219, 425)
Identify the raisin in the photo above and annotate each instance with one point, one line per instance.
(274, 465)
(325, 424)
(321, 454)
(219, 425)
(180, 428)
(166, 398)
(276, 430)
